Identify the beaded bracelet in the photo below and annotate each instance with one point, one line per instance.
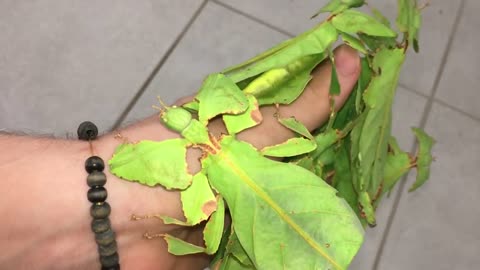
(97, 194)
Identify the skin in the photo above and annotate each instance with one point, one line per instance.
(45, 213)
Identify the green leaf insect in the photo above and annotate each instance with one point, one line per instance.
(409, 20)
(179, 247)
(236, 123)
(291, 231)
(292, 147)
(354, 42)
(371, 135)
(352, 21)
(397, 165)
(295, 126)
(212, 234)
(424, 157)
(253, 188)
(315, 41)
(226, 98)
(283, 85)
(337, 6)
(379, 16)
(198, 196)
(153, 163)
(234, 255)
(342, 179)
(191, 106)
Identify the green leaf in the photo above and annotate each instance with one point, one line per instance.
(212, 234)
(284, 85)
(354, 42)
(308, 227)
(295, 126)
(198, 201)
(152, 163)
(250, 118)
(292, 147)
(314, 41)
(352, 21)
(179, 247)
(409, 20)
(424, 157)
(219, 95)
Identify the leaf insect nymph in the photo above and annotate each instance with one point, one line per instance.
(175, 118)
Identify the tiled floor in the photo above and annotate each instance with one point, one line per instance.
(67, 61)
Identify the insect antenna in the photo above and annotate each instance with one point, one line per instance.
(162, 107)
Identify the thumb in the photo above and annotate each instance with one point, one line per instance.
(316, 95)
(312, 108)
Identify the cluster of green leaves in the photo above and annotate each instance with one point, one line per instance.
(309, 210)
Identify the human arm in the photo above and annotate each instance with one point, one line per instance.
(46, 222)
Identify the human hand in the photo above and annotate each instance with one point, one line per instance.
(312, 108)
(46, 220)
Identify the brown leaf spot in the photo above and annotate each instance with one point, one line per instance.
(209, 207)
(327, 245)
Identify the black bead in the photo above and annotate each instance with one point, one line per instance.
(105, 238)
(99, 211)
(107, 250)
(109, 261)
(96, 179)
(115, 267)
(87, 131)
(97, 194)
(94, 163)
(100, 225)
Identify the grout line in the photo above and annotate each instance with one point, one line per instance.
(253, 18)
(469, 115)
(423, 121)
(157, 67)
(413, 90)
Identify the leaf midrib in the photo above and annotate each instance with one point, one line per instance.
(264, 196)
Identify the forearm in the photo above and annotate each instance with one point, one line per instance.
(45, 209)
(44, 206)
(43, 200)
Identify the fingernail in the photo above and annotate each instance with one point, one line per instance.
(346, 63)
